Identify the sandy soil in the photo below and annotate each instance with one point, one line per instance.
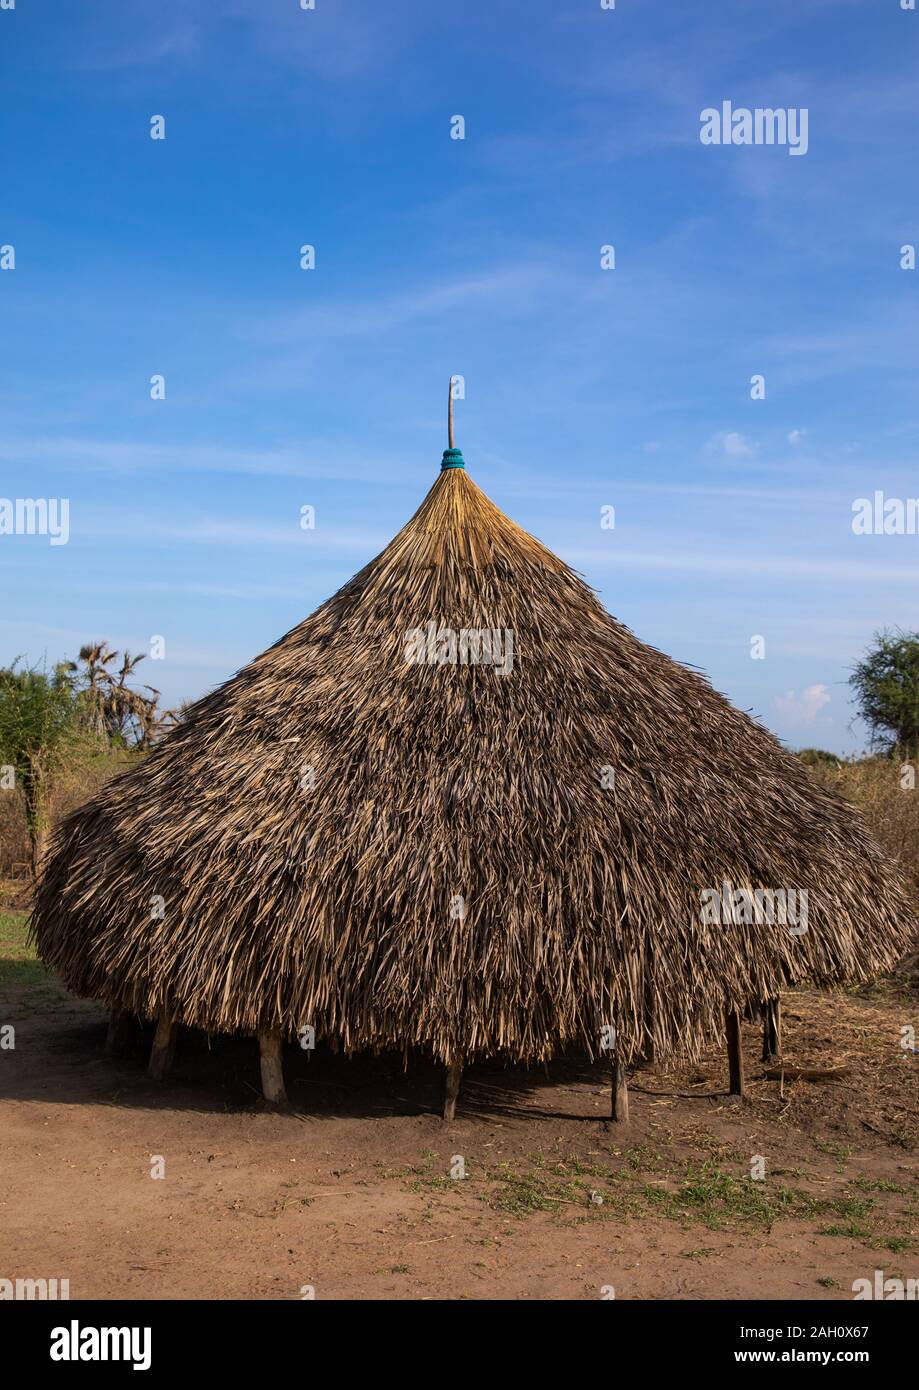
(353, 1196)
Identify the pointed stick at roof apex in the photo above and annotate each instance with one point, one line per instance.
(453, 457)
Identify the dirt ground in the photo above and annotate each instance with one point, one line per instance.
(352, 1195)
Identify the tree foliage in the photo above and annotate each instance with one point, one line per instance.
(123, 714)
(818, 757)
(81, 705)
(886, 686)
(39, 716)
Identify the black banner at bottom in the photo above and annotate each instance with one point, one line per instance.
(160, 1339)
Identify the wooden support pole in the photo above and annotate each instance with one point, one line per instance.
(772, 1029)
(122, 1031)
(452, 1088)
(650, 997)
(620, 1093)
(271, 1053)
(735, 1053)
(162, 1054)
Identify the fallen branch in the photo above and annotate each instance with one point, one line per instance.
(805, 1073)
(681, 1095)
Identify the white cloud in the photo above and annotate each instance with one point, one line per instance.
(513, 284)
(795, 436)
(733, 444)
(211, 530)
(743, 563)
(320, 458)
(803, 708)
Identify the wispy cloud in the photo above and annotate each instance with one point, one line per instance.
(229, 531)
(747, 562)
(733, 444)
(372, 314)
(333, 459)
(803, 708)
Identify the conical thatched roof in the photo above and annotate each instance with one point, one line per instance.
(311, 828)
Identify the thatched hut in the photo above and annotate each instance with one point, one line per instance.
(461, 808)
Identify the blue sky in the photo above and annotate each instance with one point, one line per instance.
(584, 388)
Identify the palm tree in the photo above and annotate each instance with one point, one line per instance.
(97, 656)
(113, 707)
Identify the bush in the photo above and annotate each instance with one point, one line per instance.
(818, 757)
(886, 686)
(81, 775)
(891, 810)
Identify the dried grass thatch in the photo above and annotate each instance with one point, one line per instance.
(324, 899)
